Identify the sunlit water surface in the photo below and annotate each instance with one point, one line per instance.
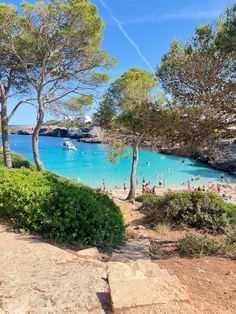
(89, 165)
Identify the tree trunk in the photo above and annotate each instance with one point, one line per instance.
(35, 139)
(5, 136)
(132, 191)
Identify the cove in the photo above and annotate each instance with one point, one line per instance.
(88, 164)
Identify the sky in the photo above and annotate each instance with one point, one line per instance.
(139, 32)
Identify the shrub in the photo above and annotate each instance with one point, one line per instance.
(231, 236)
(145, 196)
(156, 249)
(59, 209)
(18, 161)
(197, 209)
(196, 245)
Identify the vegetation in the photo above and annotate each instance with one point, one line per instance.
(197, 245)
(59, 209)
(52, 52)
(67, 124)
(156, 249)
(145, 196)
(201, 210)
(200, 76)
(18, 161)
(129, 108)
(56, 44)
(231, 235)
(12, 78)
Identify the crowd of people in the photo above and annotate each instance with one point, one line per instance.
(223, 186)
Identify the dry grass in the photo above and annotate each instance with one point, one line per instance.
(163, 229)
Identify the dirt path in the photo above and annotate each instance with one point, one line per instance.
(210, 281)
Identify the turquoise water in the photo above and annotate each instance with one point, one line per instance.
(89, 165)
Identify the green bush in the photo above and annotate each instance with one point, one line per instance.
(156, 249)
(197, 209)
(231, 236)
(59, 209)
(146, 196)
(196, 245)
(18, 161)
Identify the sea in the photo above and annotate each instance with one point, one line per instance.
(88, 164)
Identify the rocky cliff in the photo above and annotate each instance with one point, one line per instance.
(89, 135)
(222, 156)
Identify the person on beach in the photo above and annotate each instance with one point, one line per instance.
(160, 183)
(153, 190)
(164, 183)
(103, 185)
(147, 188)
(189, 186)
(125, 185)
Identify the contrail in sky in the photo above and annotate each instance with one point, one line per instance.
(123, 31)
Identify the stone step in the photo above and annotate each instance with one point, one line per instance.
(142, 283)
(135, 249)
(137, 269)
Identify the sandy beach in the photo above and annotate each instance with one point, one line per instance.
(120, 193)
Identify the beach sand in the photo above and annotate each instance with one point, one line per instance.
(120, 193)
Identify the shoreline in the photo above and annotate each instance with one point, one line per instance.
(121, 194)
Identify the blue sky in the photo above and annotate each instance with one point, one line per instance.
(139, 32)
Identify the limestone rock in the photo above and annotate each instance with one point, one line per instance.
(91, 252)
(142, 283)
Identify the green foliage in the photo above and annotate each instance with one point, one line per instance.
(116, 149)
(128, 109)
(226, 35)
(59, 209)
(231, 236)
(156, 249)
(197, 245)
(201, 210)
(188, 73)
(126, 105)
(132, 88)
(145, 197)
(18, 161)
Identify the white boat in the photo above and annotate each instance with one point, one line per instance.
(67, 144)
